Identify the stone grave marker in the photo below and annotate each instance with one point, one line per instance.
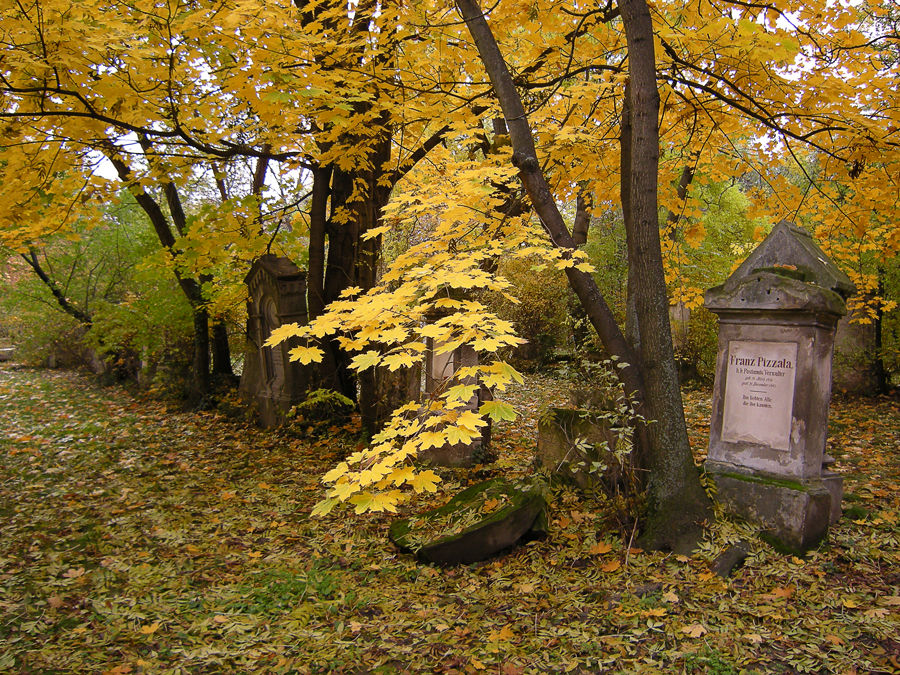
(440, 368)
(277, 290)
(476, 524)
(777, 317)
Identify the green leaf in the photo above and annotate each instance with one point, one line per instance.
(498, 410)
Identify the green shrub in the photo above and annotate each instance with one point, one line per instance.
(541, 316)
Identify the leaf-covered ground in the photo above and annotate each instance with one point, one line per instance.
(135, 539)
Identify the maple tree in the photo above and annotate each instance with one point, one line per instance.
(358, 98)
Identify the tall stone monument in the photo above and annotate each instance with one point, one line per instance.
(270, 379)
(777, 318)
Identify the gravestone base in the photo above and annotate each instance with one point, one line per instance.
(796, 514)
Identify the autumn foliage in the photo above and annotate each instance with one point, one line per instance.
(386, 115)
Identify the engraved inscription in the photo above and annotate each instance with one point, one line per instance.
(759, 393)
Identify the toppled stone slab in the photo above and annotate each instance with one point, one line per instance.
(7, 353)
(476, 524)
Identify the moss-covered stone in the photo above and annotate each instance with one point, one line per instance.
(476, 524)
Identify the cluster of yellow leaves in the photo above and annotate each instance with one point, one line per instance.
(429, 298)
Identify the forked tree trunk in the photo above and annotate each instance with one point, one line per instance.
(677, 501)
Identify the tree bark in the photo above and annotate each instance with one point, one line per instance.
(674, 490)
(632, 330)
(221, 351)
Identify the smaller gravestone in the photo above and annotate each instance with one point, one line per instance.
(479, 522)
(576, 446)
(7, 353)
(855, 349)
(440, 372)
(777, 317)
(274, 383)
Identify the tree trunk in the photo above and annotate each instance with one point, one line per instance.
(63, 302)
(221, 351)
(632, 329)
(318, 217)
(677, 504)
(200, 384)
(200, 377)
(665, 405)
(882, 384)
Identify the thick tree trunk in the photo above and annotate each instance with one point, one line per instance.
(318, 217)
(200, 383)
(677, 504)
(632, 329)
(669, 459)
(221, 351)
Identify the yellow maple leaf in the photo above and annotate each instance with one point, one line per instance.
(366, 360)
(306, 354)
(368, 501)
(324, 507)
(282, 333)
(401, 474)
(470, 420)
(425, 481)
(695, 630)
(432, 439)
(401, 360)
(336, 473)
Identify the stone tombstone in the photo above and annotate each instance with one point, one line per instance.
(570, 441)
(855, 346)
(777, 316)
(440, 367)
(277, 290)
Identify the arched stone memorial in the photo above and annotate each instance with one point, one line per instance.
(277, 295)
(777, 318)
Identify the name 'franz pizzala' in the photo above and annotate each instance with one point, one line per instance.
(760, 362)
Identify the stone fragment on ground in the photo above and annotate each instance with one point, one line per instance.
(478, 523)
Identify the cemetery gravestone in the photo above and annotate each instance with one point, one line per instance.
(277, 290)
(777, 317)
(440, 368)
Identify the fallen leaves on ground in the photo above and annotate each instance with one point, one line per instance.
(137, 539)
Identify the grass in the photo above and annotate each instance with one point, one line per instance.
(138, 539)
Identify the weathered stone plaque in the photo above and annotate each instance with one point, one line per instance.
(759, 393)
(769, 424)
